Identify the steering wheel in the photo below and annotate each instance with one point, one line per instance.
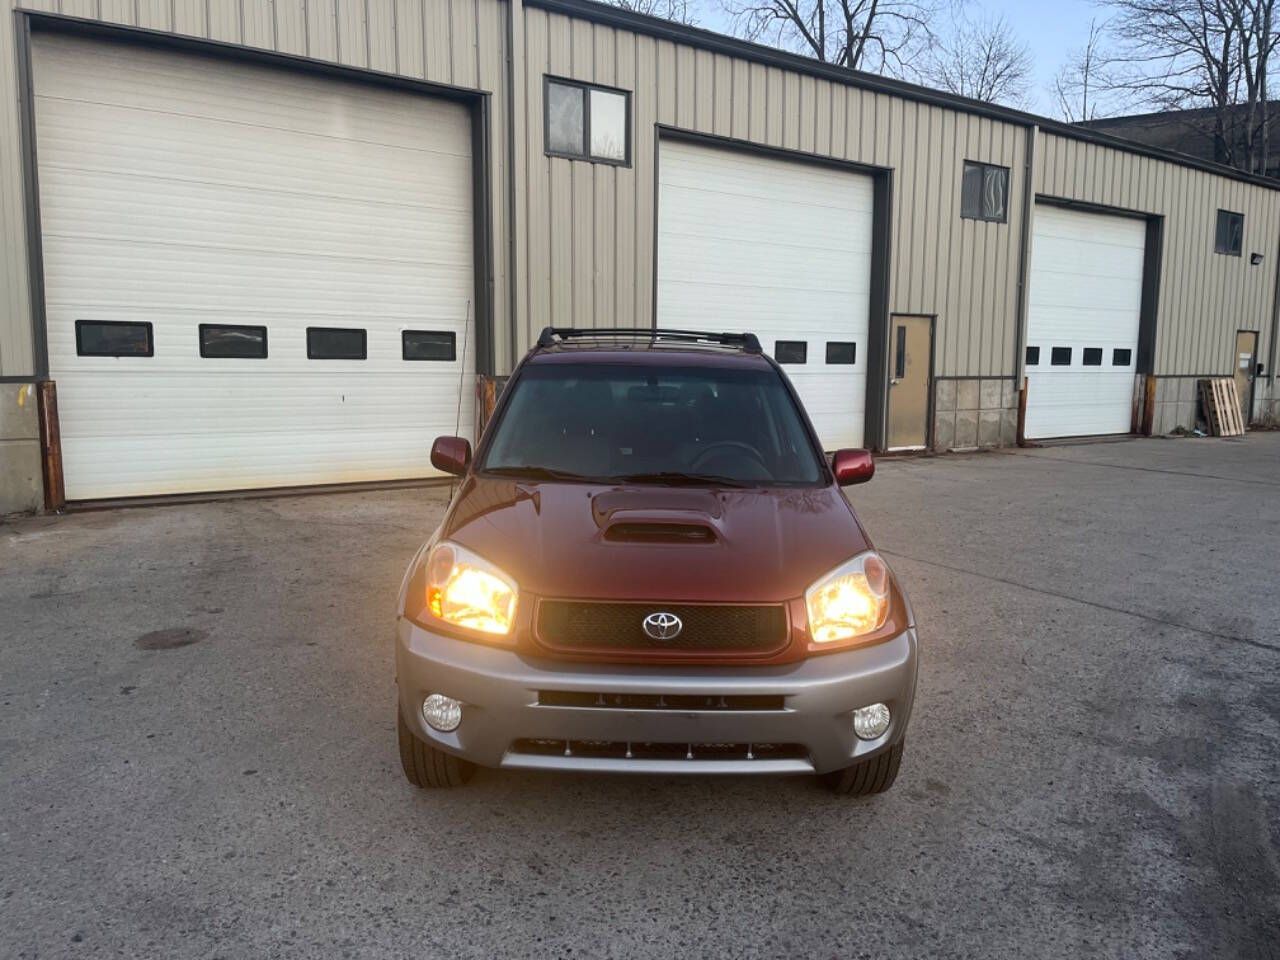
(746, 448)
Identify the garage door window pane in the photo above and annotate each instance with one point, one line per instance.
(1033, 356)
(608, 125)
(842, 351)
(427, 345)
(1060, 357)
(113, 338)
(222, 340)
(790, 351)
(1092, 356)
(1120, 358)
(335, 343)
(564, 119)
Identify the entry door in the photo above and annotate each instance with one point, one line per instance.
(910, 373)
(1246, 363)
(779, 248)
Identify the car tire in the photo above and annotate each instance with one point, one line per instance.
(872, 775)
(425, 766)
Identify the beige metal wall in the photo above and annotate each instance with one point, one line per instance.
(1204, 297)
(457, 42)
(586, 239)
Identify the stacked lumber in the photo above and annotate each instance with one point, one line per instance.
(1221, 403)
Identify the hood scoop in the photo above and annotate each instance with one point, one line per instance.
(657, 516)
(656, 531)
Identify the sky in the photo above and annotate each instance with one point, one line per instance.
(1049, 28)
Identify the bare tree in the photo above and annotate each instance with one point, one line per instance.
(981, 59)
(1215, 54)
(681, 11)
(1079, 84)
(882, 36)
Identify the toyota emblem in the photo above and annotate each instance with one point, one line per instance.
(662, 626)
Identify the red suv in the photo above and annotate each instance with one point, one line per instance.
(649, 567)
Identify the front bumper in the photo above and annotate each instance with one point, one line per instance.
(500, 691)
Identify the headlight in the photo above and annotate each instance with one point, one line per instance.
(850, 601)
(468, 591)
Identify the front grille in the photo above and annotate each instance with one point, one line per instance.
(634, 750)
(724, 628)
(659, 701)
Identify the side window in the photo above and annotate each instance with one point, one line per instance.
(1228, 236)
(984, 192)
(1033, 356)
(586, 122)
(1092, 357)
(428, 345)
(229, 340)
(842, 351)
(791, 351)
(114, 338)
(1060, 357)
(336, 343)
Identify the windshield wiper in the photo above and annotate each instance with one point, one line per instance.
(680, 477)
(531, 472)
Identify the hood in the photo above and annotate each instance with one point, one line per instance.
(655, 543)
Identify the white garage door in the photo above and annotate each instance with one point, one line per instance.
(1082, 322)
(205, 213)
(778, 248)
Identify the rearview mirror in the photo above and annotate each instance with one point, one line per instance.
(853, 466)
(451, 454)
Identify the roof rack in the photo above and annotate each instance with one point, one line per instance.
(550, 335)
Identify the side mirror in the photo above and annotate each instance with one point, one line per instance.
(853, 466)
(451, 454)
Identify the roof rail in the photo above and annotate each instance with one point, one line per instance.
(550, 335)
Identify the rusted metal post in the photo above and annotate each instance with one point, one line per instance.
(55, 493)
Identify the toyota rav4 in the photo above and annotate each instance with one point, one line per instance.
(649, 566)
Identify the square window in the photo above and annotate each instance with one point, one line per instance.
(790, 351)
(1228, 235)
(428, 345)
(1120, 358)
(1092, 357)
(335, 343)
(984, 192)
(230, 340)
(1060, 357)
(842, 351)
(113, 338)
(608, 125)
(1033, 356)
(586, 122)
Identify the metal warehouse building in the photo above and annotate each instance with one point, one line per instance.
(267, 243)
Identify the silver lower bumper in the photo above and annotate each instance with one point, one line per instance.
(499, 689)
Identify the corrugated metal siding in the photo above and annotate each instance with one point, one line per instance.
(588, 235)
(458, 42)
(1204, 297)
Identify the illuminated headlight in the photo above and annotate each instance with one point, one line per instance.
(468, 591)
(850, 601)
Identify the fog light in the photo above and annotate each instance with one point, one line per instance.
(444, 713)
(868, 722)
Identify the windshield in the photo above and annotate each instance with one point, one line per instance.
(616, 422)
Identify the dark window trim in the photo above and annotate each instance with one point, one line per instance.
(586, 88)
(1216, 221)
(231, 326)
(364, 342)
(151, 341)
(984, 167)
(453, 346)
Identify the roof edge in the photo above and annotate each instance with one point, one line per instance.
(770, 56)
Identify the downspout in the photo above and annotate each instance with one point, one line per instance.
(515, 9)
(1024, 269)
